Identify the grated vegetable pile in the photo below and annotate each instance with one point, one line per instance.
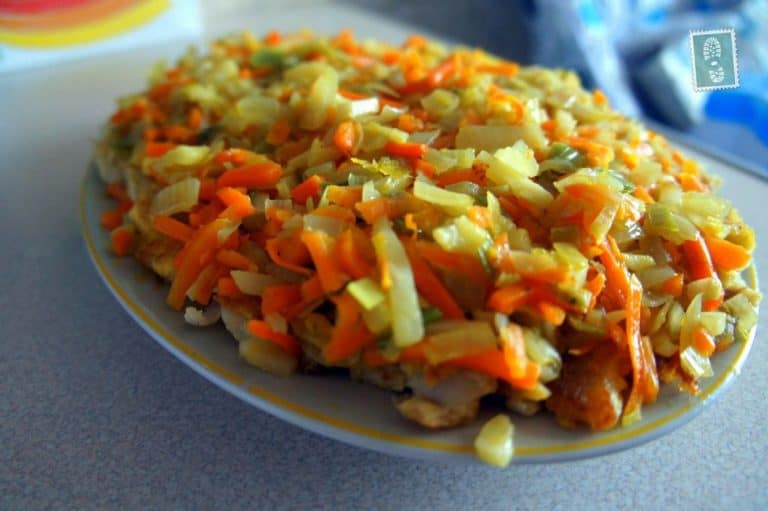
(441, 222)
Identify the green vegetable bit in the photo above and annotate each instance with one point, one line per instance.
(267, 57)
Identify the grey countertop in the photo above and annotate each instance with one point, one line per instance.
(95, 415)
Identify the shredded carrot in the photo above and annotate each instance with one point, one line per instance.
(509, 298)
(409, 123)
(227, 287)
(346, 93)
(349, 332)
(430, 286)
(257, 175)
(157, 149)
(279, 132)
(346, 137)
(344, 196)
(713, 304)
(595, 286)
(236, 156)
(599, 97)
(279, 298)
(617, 277)
(355, 253)
(262, 330)
(310, 187)
(551, 313)
(320, 247)
(290, 254)
(690, 182)
(272, 38)
(122, 241)
(727, 255)
(441, 73)
(372, 357)
(405, 149)
(424, 167)
(194, 118)
(238, 204)
(703, 342)
(112, 219)
(172, 228)
(474, 175)
(197, 254)
(642, 193)
(698, 257)
(389, 207)
(235, 260)
(673, 285)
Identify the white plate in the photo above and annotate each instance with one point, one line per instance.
(360, 414)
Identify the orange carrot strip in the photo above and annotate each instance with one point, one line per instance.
(157, 149)
(354, 251)
(197, 254)
(112, 219)
(698, 257)
(642, 193)
(617, 277)
(713, 304)
(509, 298)
(207, 189)
(345, 138)
(595, 286)
(551, 313)
(279, 132)
(117, 191)
(227, 287)
(351, 94)
(703, 342)
(727, 255)
(414, 354)
(310, 187)
(194, 118)
(344, 196)
(494, 363)
(690, 182)
(238, 204)
(424, 167)
(172, 228)
(289, 254)
(405, 149)
(272, 38)
(262, 330)
(257, 175)
(122, 240)
(441, 73)
(389, 207)
(372, 357)
(235, 260)
(430, 287)
(474, 175)
(234, 155)
(320, 246)
(673, 285)
(349, 332)
(279, 298)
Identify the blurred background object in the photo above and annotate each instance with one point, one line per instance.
(42, 32)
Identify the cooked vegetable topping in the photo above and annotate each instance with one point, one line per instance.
(437, 220)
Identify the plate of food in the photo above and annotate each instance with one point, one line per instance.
(427, 251)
